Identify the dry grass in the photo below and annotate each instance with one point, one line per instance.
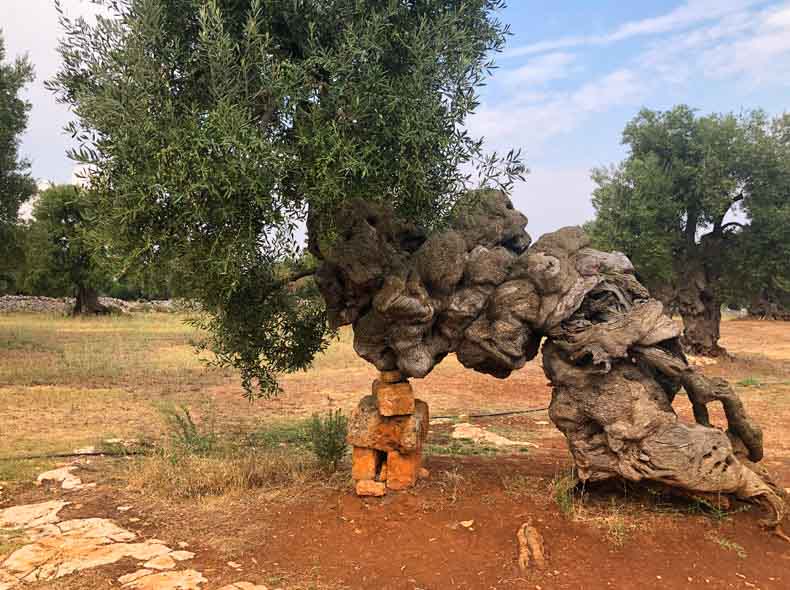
(191, 476)
(143, 350)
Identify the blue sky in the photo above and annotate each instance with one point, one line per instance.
(574, 73)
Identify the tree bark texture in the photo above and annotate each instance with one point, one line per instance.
(700, 307)
(87, 302)
(480, 289)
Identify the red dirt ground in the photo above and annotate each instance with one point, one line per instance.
(623, 539)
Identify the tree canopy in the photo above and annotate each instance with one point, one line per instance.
(61, 260)
(16, 185)
(215, 128)
(699, 205)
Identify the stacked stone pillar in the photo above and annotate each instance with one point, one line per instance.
(387, 431)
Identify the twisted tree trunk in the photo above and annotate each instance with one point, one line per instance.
(87, 302)
(700, 307)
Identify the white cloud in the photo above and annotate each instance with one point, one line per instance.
(740, 44)
(542, 69)
(748, 47)
(31, 27)
(526, 124)
(761, 54)
(691, 13)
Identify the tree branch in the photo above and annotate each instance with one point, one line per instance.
(293, 278)
(732, 223)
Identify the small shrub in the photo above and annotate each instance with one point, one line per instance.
(563, 489)
(616, 527)
(185, 435)
(750, 382)
(328, 438)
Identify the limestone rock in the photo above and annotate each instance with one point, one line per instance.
(390, 377)
(182, 555)
(65, 477)
(402, 469)
(464, 430)
(367, 428)
(371, 488)
(395, 399)
(161, 562)
(179, 580)
(365, 463)
(126, 578)
(29, 516)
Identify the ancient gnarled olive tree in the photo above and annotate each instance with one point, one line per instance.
(215, 127)
(479, 289)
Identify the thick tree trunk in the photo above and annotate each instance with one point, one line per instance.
(87, 302)
(770, 307)
(700, 308)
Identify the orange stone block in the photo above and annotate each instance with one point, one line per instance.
(394, 399)
(367, 428)
(365, 463)
(371, 488)
(402, 469)
(391, 376)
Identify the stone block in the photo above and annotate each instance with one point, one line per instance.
(365, 463)
(371, 488)
(390, 376)
(402, 469)
(395, 399)
(369, 429)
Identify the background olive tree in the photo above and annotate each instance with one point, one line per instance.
(701, 206)
(215, 127)
(16, 185)
(60, 258)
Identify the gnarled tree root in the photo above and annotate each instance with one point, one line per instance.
(621, 424)
(531, 550)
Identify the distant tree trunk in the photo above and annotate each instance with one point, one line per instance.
(700, 307)
(766, 306)
(87, 302)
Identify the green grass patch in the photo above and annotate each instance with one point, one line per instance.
(727, 544)
(16, 471)
(459, 447)
(563, 490)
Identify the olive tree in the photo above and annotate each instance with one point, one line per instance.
(217, 130)
(61, 260)
(698, 206)
(16, 185)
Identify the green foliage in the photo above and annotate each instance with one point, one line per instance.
(671, 201)
(564, 487)
(750, 382)
(16, 185)
(214, 128)
(328, 438)
(186, 436)
(60, 256)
